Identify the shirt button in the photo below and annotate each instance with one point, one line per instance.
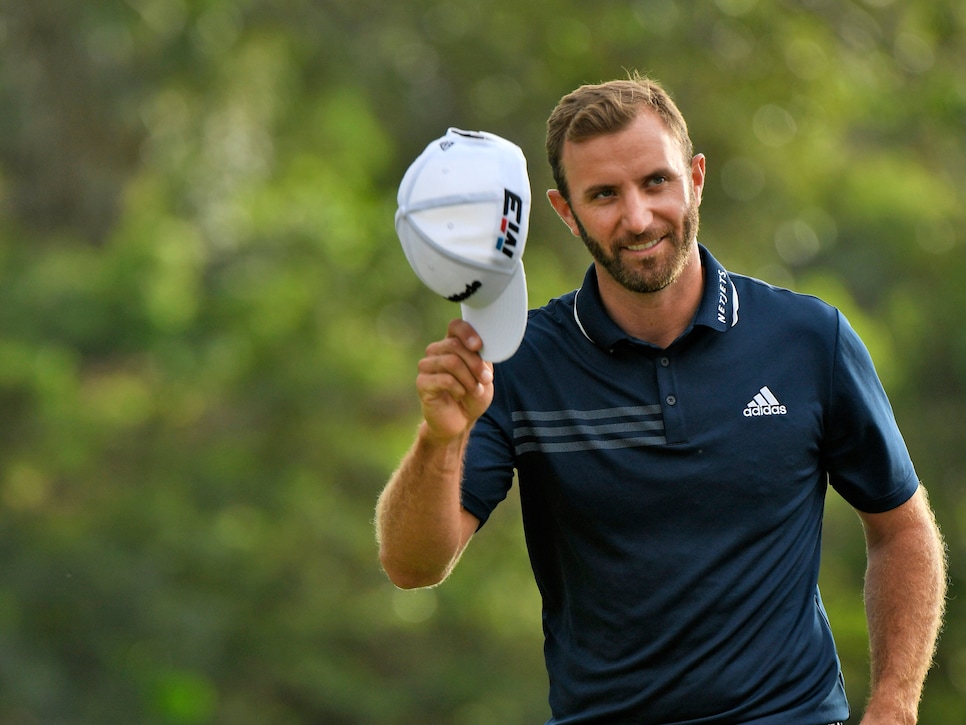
(671, 400)
(665, 362)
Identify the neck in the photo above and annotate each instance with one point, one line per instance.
(658, 318)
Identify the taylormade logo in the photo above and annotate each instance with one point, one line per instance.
(510, 224)
(468, 292)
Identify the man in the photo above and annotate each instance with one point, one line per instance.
(674, 428)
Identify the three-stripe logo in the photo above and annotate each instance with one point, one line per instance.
(764, 403)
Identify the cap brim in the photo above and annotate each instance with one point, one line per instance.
(501, 323)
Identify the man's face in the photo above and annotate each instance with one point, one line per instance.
(634, 202)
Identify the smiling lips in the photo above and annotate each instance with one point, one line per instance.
(643, 247)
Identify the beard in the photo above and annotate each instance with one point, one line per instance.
(650, 275)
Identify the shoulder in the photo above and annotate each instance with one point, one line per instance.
(552, 352)
(765, 302)
(552, 326)
(758, 289)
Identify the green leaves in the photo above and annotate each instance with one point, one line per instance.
(208, 331)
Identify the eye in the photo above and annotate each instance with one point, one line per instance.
(657, 180)
(603, 194)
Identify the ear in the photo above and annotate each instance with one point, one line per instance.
(697, 177)
(562, 207)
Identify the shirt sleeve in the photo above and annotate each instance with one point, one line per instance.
(863, 451)
(488, 466)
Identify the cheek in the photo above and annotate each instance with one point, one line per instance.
(586, 222)
(678, 209)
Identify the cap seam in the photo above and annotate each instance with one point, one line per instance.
(465, 261)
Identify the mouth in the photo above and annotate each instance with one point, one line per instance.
(644, 246)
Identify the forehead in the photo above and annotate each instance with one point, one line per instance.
(645, 145)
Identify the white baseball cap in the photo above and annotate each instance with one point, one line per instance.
(463, 217)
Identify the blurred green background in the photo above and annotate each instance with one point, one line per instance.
(208, 331)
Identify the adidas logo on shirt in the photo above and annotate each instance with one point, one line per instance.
(764, 403)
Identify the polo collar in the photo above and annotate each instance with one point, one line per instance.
(718, 309)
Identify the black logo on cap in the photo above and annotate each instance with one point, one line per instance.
(467, 293)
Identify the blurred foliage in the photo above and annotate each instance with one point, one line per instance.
(208, 332)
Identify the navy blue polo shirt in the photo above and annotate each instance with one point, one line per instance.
(672, 500)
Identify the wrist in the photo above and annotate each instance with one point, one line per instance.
(441, 440)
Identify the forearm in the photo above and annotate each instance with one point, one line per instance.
(904, 595)
(418, 515)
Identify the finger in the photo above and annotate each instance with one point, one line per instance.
(464, 332)
(441, 392)
(449, 367)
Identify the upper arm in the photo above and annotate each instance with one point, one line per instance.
(915, 515)
(468, 526)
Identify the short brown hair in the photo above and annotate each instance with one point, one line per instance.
(595, 110)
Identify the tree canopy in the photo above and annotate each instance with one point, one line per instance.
(208, 330)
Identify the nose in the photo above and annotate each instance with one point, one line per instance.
(637, 213)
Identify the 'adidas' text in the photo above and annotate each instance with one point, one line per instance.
(764, 403)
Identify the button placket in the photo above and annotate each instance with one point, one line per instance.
(674, 424)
